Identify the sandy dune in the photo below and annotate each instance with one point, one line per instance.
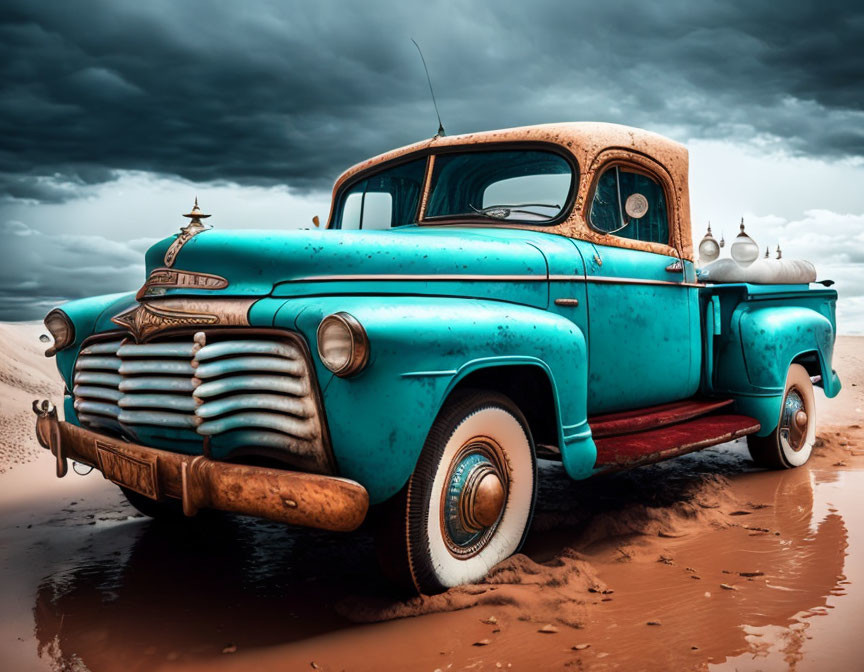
(698, 562)
(25, 374)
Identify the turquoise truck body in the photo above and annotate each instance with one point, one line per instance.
(577, 324)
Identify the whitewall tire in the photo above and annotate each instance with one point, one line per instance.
(791, 443)
(469, 502)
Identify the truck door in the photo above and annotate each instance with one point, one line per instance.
(644, 347)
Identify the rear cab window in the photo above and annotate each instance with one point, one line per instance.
(619, 186)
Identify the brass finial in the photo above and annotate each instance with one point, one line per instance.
(193, 228)
(709, 227)
(742, 228)
(779, 252)
(766, 252)
(196, 215)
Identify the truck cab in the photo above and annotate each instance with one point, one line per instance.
(474, 303)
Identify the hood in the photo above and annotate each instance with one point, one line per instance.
(410, 260)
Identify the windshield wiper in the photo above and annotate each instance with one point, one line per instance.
(504, 210)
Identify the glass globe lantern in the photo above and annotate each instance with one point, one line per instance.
(709, 249)
(744, 250)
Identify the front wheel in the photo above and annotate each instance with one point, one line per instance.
(791, 443)
(170, 510)
(468, 504)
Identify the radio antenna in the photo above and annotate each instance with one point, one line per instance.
(440, 133)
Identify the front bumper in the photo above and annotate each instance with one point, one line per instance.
(311, 500)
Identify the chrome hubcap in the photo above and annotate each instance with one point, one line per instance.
(793, 421)
(473, 498)
(482, 498)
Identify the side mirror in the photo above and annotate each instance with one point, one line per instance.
(316, 221)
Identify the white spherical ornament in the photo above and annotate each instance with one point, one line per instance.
(709, 249)
(744, 250)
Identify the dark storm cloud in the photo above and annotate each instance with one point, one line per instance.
(42, 271)
(292, 93)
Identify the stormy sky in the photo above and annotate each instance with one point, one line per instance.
(114, 114)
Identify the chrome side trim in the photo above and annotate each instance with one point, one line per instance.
(426, 374)
(467, 277)
(396, 277)
(629, 281)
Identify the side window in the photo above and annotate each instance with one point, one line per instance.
(385, 200)
(630, 205)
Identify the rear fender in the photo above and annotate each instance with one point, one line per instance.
(764, 341)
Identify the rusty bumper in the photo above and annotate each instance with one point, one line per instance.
(324, 502)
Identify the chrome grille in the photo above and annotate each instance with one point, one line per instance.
(245, 394)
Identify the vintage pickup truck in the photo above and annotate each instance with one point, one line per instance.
(475, 303)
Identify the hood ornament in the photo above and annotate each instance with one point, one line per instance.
(193, 228)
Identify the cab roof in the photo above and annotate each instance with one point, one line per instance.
(593, 146)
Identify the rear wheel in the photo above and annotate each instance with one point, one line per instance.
(468, 504)
(791, 443)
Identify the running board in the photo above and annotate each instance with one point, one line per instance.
(632, 450)
(642, 419)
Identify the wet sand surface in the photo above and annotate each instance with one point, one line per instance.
(701, 563)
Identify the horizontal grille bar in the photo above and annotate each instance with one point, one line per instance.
(157, 383)
(264, 364)
(108, 348)
(185, 350)
(171, 402)
(97, 408)
(264, 438)
(98, 363)
(160, 418)
(292, 426)
(178, 367)
(95, 392)
(270, 402)
(226, 348)
(98, 378)
(252, 383)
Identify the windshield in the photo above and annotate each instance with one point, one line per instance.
(514, 185)
(509, 185)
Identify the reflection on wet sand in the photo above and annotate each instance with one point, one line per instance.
(664, 538)
(740, 594)
(181, 592)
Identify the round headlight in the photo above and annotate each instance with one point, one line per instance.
(342, 344)
(58, 323)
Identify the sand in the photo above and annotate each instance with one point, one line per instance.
(25, 374)
(702, 562)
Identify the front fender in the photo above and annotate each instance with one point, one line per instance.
(420, 348)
